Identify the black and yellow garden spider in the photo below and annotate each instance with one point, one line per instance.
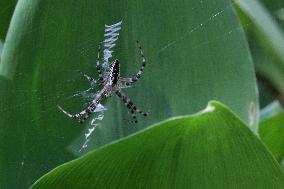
(111, 84)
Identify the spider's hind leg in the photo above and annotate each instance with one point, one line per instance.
(130, 106)
(133, 115)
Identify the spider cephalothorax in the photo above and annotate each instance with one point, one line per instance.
(111, 84)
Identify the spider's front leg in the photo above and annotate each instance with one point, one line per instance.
(98, 66)
(83, 115)
(79, 116)
(89, 78)
(136, 77)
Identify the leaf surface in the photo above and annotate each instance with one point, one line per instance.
(265, 28)
(195, 51)
(271, 132)
(211, 149)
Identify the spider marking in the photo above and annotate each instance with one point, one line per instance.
(112, 84)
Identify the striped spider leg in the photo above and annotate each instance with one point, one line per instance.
(112, 84)
(129, 81)
(130, 106)
(99, 70)
(83, 115)
(136, 77)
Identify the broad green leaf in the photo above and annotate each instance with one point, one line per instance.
(195, 50)
(6, 10)
(271, 131)
(211, 149)
(267, 49)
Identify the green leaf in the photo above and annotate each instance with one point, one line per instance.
(265, 25)
(195, 50)
(271, 131)
(267, 49)
(6, 10)
(211, 149)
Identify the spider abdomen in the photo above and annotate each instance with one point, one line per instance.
(114, 72)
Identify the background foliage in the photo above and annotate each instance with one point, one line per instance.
(196, 51)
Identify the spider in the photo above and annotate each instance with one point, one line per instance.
(111, 84)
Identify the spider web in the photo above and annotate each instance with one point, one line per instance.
(200, 26)
(89, 47)
(110, 37)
